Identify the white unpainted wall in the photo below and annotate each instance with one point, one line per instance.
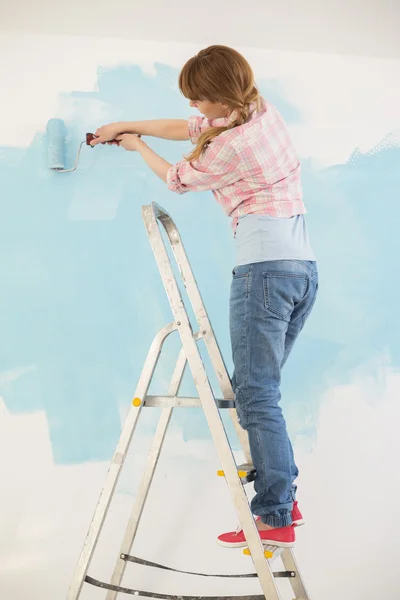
(358, 27)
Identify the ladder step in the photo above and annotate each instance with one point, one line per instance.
(272, 554)
(179, 402)
(246, 472)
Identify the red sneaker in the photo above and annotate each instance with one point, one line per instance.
(297, 517)
(283, 537)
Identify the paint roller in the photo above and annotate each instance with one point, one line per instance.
(56, 134)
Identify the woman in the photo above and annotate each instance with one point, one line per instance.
(244, 155)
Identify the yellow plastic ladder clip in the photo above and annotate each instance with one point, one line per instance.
(267, 553)
(240, 473)
(245, 472)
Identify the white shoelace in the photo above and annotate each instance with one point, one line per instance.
(240, 528)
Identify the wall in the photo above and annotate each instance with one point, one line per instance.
(357, 27)
(81, 301)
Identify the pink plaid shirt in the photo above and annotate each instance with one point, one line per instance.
(252, 168)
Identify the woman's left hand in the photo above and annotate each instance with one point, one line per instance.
(129, 141)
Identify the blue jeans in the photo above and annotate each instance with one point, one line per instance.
(269, 304)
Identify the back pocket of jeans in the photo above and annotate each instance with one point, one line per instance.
(282, 292)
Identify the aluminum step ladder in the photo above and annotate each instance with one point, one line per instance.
(236, 476)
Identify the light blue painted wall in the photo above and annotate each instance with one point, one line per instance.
(81, 297)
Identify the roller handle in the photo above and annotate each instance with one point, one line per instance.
(90, 137)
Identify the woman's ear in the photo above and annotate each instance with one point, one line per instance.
(226, 108)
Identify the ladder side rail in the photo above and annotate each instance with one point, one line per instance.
(297, 583)
(151, 214)
(117, 461)
(154, 212)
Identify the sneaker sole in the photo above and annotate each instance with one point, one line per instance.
(228, 545)
(264, 543)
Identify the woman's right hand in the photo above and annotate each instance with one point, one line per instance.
(106, 133)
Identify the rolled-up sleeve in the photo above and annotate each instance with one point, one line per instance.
(196, 127)
(216, 168)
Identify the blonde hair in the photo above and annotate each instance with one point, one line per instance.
(219, 74)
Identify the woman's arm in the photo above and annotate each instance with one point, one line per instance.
(168, 129)
(157, 164)
(218, 167)
(153, 160)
